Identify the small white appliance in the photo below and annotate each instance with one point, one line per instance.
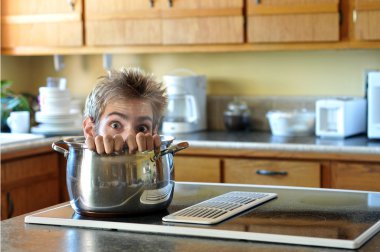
(340, 117)
(373, 96)
(186, 111)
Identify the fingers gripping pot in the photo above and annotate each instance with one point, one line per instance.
(119, 183)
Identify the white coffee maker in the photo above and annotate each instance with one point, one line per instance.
(186, 110)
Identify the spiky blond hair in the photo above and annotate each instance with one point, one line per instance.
(127, 83)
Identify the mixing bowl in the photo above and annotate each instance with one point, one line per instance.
(291, 123)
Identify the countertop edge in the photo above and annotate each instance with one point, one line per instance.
(285, 147)
(34, 143)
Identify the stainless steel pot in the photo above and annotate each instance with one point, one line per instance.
(119, 183)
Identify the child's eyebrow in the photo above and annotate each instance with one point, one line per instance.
(145, 118)
(125, 117)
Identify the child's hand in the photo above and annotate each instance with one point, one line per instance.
(110, 144)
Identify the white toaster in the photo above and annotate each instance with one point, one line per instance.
(340, 117)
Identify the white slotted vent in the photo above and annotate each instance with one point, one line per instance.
(219, 208)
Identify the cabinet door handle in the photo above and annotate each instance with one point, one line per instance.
(258, 1)
(170, 3)
(10, 205)
(151, 3)
(271, 173)
(71, 3)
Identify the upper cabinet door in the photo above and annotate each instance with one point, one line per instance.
(292, 20)
(41, 23)
(202, 21)
(122, 22)
(367, 19)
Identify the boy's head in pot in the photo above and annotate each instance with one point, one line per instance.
(126, 103)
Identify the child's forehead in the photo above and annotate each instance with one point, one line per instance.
(130, 106)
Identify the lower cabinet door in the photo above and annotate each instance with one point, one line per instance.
(197, 169)
(30, 198)
(29, 183)
(356, 176)
(272, 172)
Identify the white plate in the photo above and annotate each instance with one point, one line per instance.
(48, 130)
(72, 117)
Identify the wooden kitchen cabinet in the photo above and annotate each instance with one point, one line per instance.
(355, 175)
(130, 22)
(123, 22)
(197, 169)
(50, 27)
(39, 23)
(366, 19)
(29, 181)
(202, 22)
(273, 21)
(272, 172)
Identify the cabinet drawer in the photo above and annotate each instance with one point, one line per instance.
(289, 173)
(197, 169)
(363, 176)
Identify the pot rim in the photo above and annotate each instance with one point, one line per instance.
(80, 141)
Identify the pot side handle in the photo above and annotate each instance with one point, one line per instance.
(175, 148)
(60, 149)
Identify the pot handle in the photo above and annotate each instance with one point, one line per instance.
(60, 149)
(172, 149)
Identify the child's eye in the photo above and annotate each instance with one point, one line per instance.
(142, 128)
(115, 125)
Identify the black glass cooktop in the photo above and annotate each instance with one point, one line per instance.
(316, 217)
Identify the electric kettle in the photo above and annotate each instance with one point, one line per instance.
(181, 108)
(186, 110)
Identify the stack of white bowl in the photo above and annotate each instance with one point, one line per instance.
(56, 115)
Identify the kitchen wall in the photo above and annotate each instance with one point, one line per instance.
(288, 73)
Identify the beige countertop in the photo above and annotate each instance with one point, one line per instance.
(266, 141)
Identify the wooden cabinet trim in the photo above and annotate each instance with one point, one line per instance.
(202, 13)
(241, 153)
(26, 153)
(326, 174)
(136, 14)
(200, 48)
(41, 18)
(367, 6)
(293, 9)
